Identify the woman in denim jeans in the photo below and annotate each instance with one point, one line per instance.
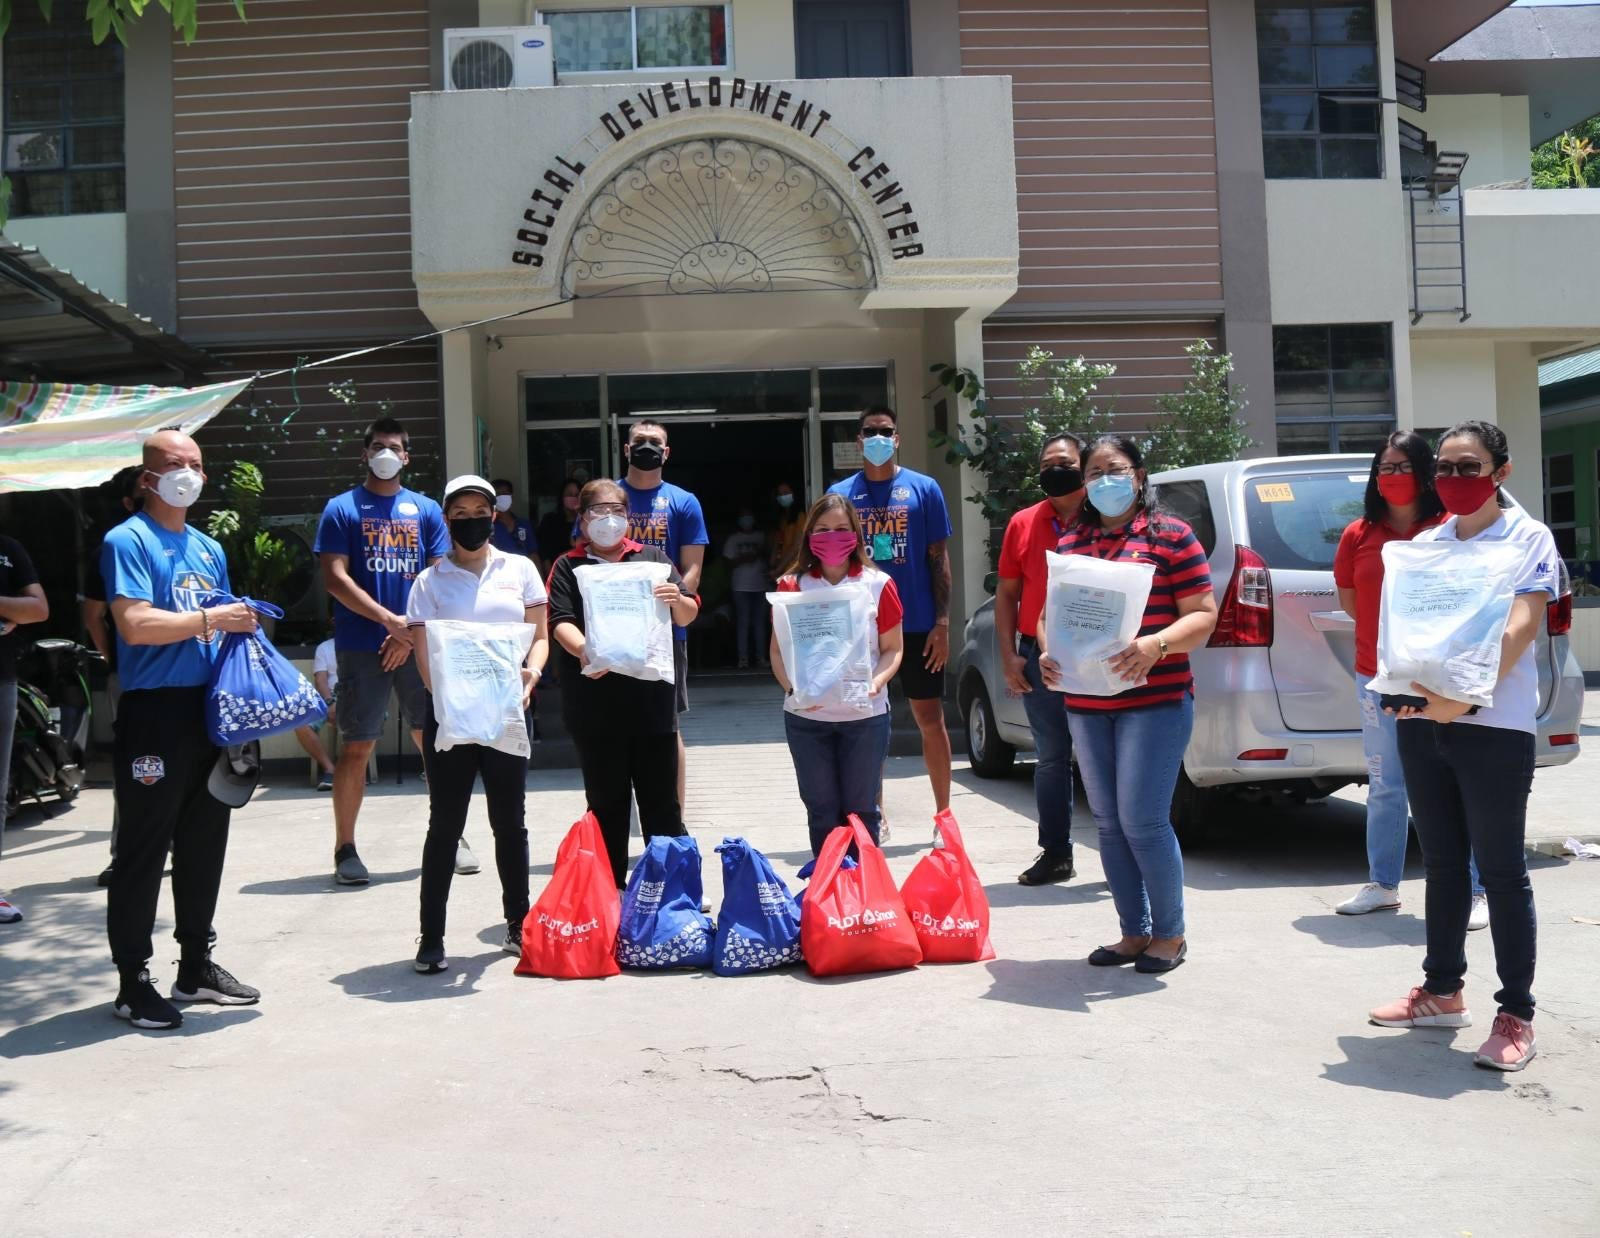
(1130, 746)
(1469, 769)
(838, 752)
(1400, 503)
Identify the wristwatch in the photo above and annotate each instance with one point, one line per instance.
(1162, 641)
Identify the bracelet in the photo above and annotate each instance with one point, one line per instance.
(205, 626)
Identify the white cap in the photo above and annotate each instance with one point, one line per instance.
(468, 483)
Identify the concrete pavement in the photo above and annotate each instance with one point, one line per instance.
(1243, 1094)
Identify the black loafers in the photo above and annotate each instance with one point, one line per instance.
(1105, 956)
(1148, 962)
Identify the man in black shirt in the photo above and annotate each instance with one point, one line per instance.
(21, 601)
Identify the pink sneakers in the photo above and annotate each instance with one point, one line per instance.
(1510, 1045)
(1420, 1008)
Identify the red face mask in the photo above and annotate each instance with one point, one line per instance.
(832, 546)
(1398, 488)
(1462, 496)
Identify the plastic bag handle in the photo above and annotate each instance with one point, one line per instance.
(945, 820)
(218, 598)
(863, 835)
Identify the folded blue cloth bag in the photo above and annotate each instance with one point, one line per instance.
(758, 927)
(255, 690)
(662, 924)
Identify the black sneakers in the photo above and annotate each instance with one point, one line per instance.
(1051, 866)
(513, 941)
(140, 1004)
(348, 870)
(206, 982)
(430, 955)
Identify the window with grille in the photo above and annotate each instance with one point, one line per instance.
(63, 115)
(1333, 387)
(650, 37)
(1320, 112)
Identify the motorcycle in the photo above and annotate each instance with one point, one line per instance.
(52, 732)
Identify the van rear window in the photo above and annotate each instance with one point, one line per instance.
(1295, 519)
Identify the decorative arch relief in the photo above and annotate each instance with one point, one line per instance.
(716, 215)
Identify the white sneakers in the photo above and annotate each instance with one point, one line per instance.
(1479, 919)
(9, 912)
(466, 862)
(1370, 897)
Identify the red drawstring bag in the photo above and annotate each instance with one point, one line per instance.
(571, 932)
(946, 902)
(852, 919)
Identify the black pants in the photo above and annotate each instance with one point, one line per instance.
(163, 758)
(450, 779)
(618, 769)
(1468, 787)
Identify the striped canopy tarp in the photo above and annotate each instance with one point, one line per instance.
(56, 436)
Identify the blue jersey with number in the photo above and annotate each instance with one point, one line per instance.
(900, 519)
(388, 539)
(172, 571)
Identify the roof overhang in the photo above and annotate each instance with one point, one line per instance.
(1550, 53)
(1424, 28)
(55, 329)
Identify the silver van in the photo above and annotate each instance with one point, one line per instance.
(1275, 687)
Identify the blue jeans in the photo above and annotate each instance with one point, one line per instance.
(1388, 811)
(1129, 761)
(837, 766)
(1052, 742)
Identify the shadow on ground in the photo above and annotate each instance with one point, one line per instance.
(1433, 1063)
(75, 1029)
(1064, 984)
(400, 982)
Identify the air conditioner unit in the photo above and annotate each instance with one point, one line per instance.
(494, 57)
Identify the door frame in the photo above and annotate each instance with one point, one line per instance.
(905, 32)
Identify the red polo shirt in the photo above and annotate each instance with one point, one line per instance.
(1030, 533)
(1358, 565)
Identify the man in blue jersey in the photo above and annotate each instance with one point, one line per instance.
(511, 534)
(373, 541)
(907, 527)
(158, 574)
(669, 518)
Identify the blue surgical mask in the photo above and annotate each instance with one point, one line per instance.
(1112, 495)
(878, 449)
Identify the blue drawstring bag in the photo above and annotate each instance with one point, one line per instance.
(662, 924)
(758, 927)
(255, 690)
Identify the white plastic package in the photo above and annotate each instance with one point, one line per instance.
(1093, 609)
(476, 670)
(1444, 611)
(626, 630)
(825, 640)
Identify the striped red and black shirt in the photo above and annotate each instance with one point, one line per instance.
(1181, 571)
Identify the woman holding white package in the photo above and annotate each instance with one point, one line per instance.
(1469, 771)
(839, 743)
(474, 582)
(625, 728)
(1130, 745)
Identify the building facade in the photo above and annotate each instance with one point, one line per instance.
(751, 220)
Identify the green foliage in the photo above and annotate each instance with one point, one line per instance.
(1200, 424)
(1006, 449)
(259, 561)
(1567, 161)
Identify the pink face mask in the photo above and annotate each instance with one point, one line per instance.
(832, 546)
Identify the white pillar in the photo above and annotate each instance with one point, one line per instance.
(462, 392)
(1516, 392)
(973, 530)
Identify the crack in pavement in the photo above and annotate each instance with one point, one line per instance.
(813, 1074)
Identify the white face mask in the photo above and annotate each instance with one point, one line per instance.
(502, 502)
(180, 487)
(384, 463)
(606, 531)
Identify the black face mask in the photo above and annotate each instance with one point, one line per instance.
(1058, 479)
(470, 532)
(646, 457)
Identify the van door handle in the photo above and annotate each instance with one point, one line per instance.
(1332, 621)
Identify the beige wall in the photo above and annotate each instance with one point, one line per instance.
(762, 34)
(94, 248)
(1482, 378)
(1491, 129)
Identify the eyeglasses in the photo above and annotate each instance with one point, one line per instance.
(1462, 468)
(1393, 470)
(606, 509)
(1119, 471)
